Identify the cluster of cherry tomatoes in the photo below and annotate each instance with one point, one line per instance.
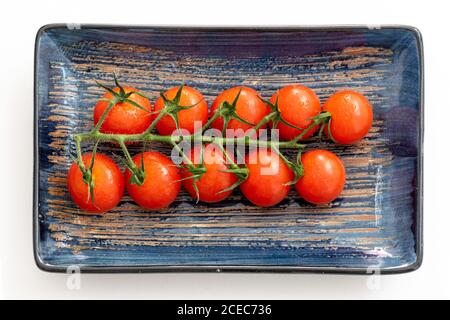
(267, 178)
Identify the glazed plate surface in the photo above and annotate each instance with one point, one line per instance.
(376, 224)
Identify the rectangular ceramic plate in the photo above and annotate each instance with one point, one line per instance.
(376, 223)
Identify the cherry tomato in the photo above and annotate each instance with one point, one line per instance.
(124, 118)
(351, 116)
(161, 184)
(249, 107)
(186, 118)
(268, 178)
(108, 184)
(297, 105)
(323, 179)
(214, 180)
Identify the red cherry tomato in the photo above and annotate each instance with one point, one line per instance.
(161, 184)
(186, 118)
(297, 105)
(214, 180)
(268, 179)
(351, 116)
(249, 107)
(108, 184)
(124, 118)
(324, 177)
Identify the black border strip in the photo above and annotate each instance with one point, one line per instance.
(238, 268)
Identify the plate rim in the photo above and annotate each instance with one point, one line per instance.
(419, 242)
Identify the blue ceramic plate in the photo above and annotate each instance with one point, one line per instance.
(374, 225)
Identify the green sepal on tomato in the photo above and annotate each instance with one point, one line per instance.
(132, 116)
(186, 108)
(245, 110)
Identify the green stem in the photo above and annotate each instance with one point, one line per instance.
(230, 161)
(322, 118)
(127, 154)
(185, 157)
(104, 114)
(79, 154)
(304, 132)
(264, 121)
(148, 137)
(215, 116)
(161, 114)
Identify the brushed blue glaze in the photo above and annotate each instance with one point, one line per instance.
(399, 108)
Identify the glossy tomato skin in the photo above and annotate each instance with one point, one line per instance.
(161, 184)
(124, 118)
(214, 180)
(108, 184)
(249, 107)
(186, 118)
(268, 179)
(351, 116)
(324, 177)
(297, 105)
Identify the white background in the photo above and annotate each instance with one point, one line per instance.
(20, 20)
